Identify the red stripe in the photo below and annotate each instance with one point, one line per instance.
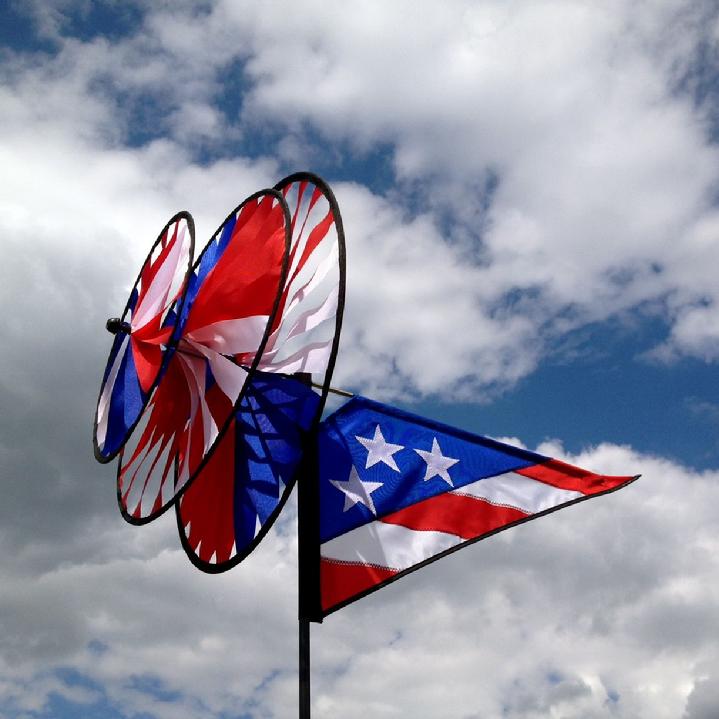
(148, 274)
(146, 351)
(169, 465)
(317, 234)
(208, 504)
(466, 517)
(567, 476)
(147, 359)
(219, 404)
(148, 475)
(316, 194)
(169, 407)
(246, 278)
(340, 581)
(300, 192)
(244, 216)
(220, 407)
(197, 441)
(153, 332)
(252, 217)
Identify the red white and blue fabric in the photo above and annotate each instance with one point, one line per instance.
(397, 491)
(137, 359)
(304, 332)
(236, 497)
(238, 494)
(232, 293)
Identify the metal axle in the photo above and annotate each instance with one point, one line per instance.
(115, 325)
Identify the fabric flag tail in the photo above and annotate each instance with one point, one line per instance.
(398, 491)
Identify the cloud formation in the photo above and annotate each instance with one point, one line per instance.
(553, 167)
(559, 186)
(605, 609)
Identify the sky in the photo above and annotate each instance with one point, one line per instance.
(530, 194)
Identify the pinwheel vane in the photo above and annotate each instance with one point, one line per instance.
(212, 400)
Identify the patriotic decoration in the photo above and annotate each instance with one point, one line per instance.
(220, 371)
(232, 299)
(398, 491)
(212, 398)
(235, 499)
(145, 337)
(242, 489)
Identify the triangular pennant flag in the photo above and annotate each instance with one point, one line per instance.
(398, 491)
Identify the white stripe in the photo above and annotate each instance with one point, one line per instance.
(303, 340)
(396, 547)
(387, 545)
(133, 479)
(306, 223)
(313, 360)
(154, 488)
(313, 318)
(320, 262)
(326, 310)
(103, 403)
(168, 488)
(231, 337)
(299, 345)
(156, 296)
(307, 300)
(514, 490)
(194, 370)
(230, 377)
(208, 422)
(304, 326)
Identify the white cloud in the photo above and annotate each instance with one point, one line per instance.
(549, 619)
(604, 174)
(607, 605)
(603, 203)
(416, 313)
(704, 699)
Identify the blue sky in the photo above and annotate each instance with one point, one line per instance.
(597, 385)
(529, 193)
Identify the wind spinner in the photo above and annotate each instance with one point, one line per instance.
(212, 401)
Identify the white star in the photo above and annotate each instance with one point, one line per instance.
(356, 491)
(379, 450)
(437, 463)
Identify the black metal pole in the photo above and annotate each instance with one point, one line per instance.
(308, 564)
(304, 668)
